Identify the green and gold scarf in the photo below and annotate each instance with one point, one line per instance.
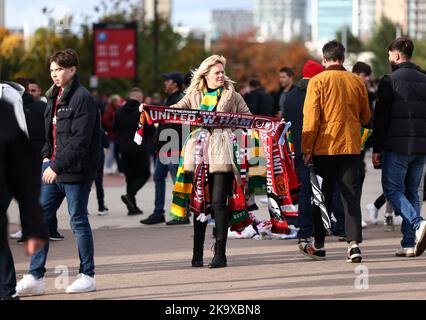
(210, 99)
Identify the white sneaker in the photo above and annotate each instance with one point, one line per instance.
(363, 224)
(404, 252)
(17, 235)
(83, 283)
(373, 213)
(103, 212)
(397, 220)
(30, 286)
(420, 239)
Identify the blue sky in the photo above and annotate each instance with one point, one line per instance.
(192, 13)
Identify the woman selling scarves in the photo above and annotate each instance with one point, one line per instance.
(211, 90)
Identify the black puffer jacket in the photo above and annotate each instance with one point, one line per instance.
(77, 133)
(400, 115)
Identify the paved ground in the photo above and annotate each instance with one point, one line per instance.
(134, 261)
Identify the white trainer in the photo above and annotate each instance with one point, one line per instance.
(397, 220)
(420, 239)
(405, 252)
(30, 286)
(373, 213)
(364, 224)
(17, 235)
(83, 283)
(103, 212)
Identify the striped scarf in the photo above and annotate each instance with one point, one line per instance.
(365, 134)
(195, 189)
(210, 99)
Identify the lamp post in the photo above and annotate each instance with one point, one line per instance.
(155, 46)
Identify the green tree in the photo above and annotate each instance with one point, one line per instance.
(384, 34)
(419, 55)
(354, 45)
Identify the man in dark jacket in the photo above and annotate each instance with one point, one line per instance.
(135, 159)
(293, 112)
(167, 151)
(286, 79)
(18, 176)
(70, 157)
(399, 142)
(258, 100)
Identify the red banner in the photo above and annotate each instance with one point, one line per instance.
(115, 50)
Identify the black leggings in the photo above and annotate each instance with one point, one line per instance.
(220, 189)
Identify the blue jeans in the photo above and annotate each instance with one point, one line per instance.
(160, 174)
(51, 198)
(109, 158)
(304, 219)
(401, 176)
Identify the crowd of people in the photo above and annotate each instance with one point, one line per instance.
(52, 148)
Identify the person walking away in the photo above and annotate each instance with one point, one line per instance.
(135, 159)
(293, 112)
(400, 141)
(336, 106)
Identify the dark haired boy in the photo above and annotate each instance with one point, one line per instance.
(70, 158)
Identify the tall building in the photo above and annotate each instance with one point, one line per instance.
(281, 20)
(395, 10)
(417, 19)
(363, 18)
(164, 10)
(2, 14)
(231, 22)
(330, 17)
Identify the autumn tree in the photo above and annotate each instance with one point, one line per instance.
(11, 52)
(247, 58)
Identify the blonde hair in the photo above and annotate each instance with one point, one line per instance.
(198, 81)
(114, 99)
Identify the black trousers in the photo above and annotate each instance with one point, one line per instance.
(345, 170)
(99, 183)
(221, 189)
(7, 272)
(380, 201)
(137, 169)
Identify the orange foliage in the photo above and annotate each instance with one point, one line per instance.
(247, 58)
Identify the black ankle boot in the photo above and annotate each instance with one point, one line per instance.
(197, 263)
(218, 262)
(219, 258)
